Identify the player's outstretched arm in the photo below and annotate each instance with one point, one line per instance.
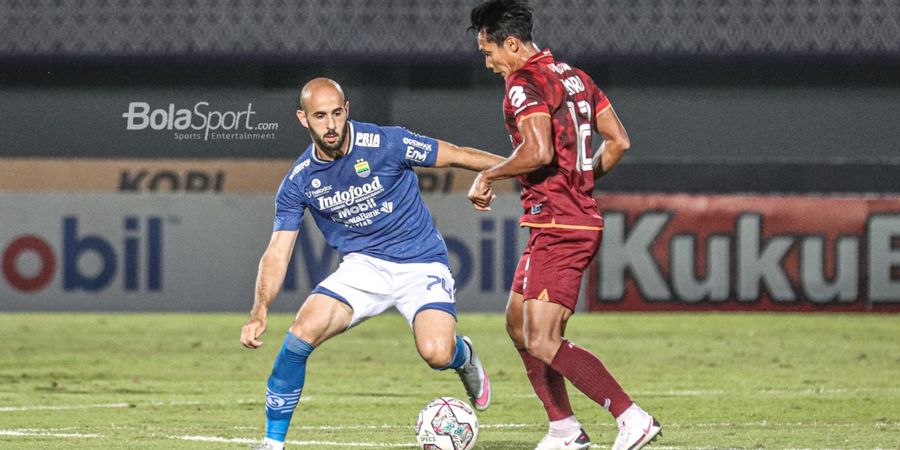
(272, 269)
(615, 142)
(452, 155)
(535, 151)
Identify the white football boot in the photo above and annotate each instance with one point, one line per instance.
(576, 441)
(636, 429)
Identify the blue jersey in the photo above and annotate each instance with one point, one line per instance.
(368, 201)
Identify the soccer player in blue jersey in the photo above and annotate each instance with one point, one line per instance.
(357, 181)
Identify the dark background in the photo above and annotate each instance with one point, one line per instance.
(718, 96)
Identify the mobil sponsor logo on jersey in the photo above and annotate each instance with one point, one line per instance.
(352, 195)
(88, 261)
(416, 150)
(367, 140)
(359, 212)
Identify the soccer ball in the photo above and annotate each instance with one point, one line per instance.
(447, 424)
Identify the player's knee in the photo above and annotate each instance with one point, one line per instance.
(300, 332)
(515, 334)
(436, 354)
(540, 346)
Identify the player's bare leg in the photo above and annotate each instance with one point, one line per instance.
(435, 333)
(548, 384)
(440, 346)
(543, 324)
(320, 318)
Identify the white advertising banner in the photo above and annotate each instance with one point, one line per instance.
(115, 252)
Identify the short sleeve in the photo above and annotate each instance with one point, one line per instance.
(598, 98)
(525, 95)
(411, 149)
(290, 204)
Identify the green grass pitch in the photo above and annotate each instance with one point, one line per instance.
(182, 381)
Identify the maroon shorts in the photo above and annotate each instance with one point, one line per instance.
(553, 264)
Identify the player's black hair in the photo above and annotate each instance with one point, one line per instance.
(500, 19)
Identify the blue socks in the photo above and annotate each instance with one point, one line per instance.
(460, 356)
(285, 385)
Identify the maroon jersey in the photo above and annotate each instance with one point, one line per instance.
(559, 194)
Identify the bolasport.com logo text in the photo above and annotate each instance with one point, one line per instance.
(199, 122)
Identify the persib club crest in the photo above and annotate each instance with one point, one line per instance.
(362, 168)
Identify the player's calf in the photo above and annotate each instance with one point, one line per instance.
(284, 388)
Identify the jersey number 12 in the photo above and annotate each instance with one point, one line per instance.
(584, 133)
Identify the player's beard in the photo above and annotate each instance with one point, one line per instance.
(332, 150)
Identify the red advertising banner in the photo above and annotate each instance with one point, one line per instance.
(747, 253)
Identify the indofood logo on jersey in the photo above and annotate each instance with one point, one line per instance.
(352, 195)
(199, 122)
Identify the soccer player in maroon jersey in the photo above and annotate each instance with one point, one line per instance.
(551, 111)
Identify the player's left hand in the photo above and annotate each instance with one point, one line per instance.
(480, 194)
(253, 329)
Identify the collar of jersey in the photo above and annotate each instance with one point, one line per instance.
(545, 53)
(315, 157)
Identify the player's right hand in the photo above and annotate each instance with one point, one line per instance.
(480, 194)
(253, 329)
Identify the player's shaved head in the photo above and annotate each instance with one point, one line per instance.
(320, 87)
(323, 111)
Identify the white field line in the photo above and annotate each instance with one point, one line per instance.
(405, 445)
(609, 424)
(305, 399)
(42, 433)
(723, 392)
(51, 432)
(293, 443)
(62, 407)
(117, 405)
(410, 426)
